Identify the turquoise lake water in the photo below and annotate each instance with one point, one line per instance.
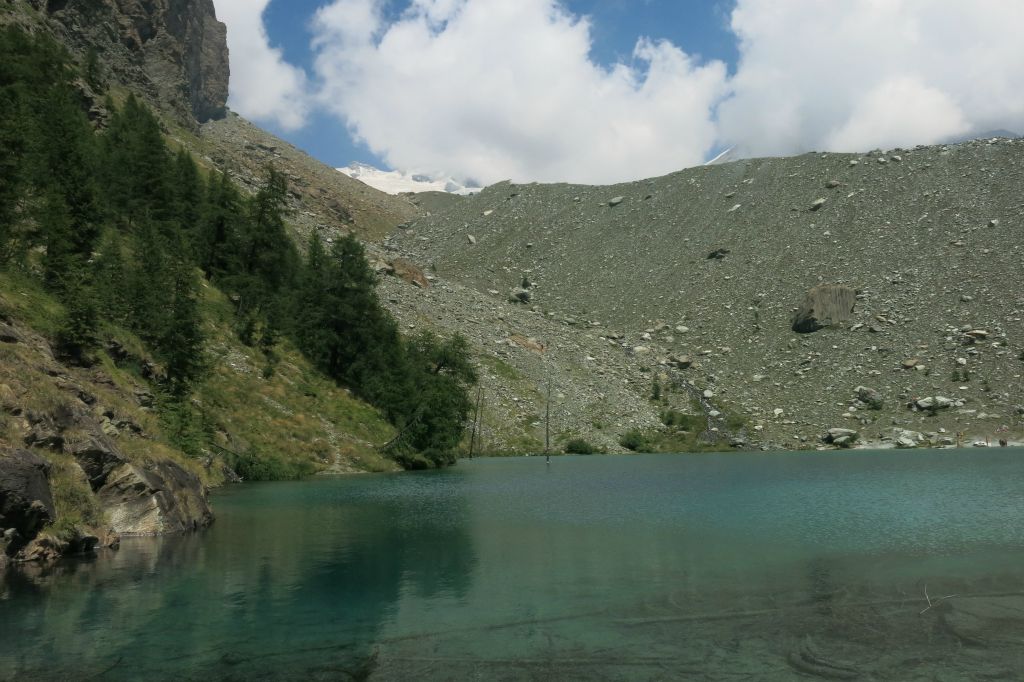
(704, 567)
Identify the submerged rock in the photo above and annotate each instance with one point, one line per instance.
(986, 621)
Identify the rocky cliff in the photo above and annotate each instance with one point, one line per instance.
(172, 51)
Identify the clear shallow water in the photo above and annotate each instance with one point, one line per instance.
(640, 567)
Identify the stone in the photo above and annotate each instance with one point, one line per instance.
(8, 334)
(519, 295)
(718, 254)
(933, 403)
(996, 621)
(824, 305)
(615, 201)
(8, 400)
(408, 271)
(869, 397)
(26, 504)
(840, 437)
(905, 439)
(44, 549)
(818, 203)
(832, 184)
(993, 223)
(528, 343)
(182, 45)
(98, 457)
(471, 239)
(157, 499)
(43, 436)
(681, 361)
(910, 363)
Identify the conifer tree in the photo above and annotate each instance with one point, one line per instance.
(219, 226)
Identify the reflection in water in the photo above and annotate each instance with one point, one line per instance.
(708, 567)
(292, 578)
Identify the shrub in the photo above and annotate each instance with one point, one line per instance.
(578, 446)
(635, 440)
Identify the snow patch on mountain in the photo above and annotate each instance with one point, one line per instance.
(397, 182)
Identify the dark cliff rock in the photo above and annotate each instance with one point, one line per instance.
(25, 501)
(174, 51)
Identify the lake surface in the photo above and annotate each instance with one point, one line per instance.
(717, 567)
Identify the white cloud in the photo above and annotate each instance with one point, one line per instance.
(489, 90)
(264, 87)
(855, 75)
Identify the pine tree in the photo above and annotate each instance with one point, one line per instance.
(219, 227)
(136, 165)
(181, 344)
(65, 168)
(187, 192)
(77, 335)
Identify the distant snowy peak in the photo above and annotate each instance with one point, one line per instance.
(397, 182)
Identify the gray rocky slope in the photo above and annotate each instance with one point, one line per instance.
(629, 283)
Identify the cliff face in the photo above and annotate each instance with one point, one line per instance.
(174, 51)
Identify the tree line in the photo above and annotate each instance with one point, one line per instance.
(122, 231)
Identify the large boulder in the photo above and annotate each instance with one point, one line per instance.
(157, 499)
(825, 305)
(25, 501)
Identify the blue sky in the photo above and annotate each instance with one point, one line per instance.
(484, 90)
(698, 26)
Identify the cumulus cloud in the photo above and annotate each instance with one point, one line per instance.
(851, 76)
(491, 90)
(264, 87)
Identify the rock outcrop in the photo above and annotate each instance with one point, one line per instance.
(85, 455)
(173, 51)
(26, 505)
(157, 499)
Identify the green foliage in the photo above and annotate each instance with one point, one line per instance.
(578, 446)
(636, 441)
(123, 227)
(255, 466)
(683, 421)
(421, 384)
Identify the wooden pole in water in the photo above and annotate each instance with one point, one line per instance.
(547, 425)
(476, 418)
